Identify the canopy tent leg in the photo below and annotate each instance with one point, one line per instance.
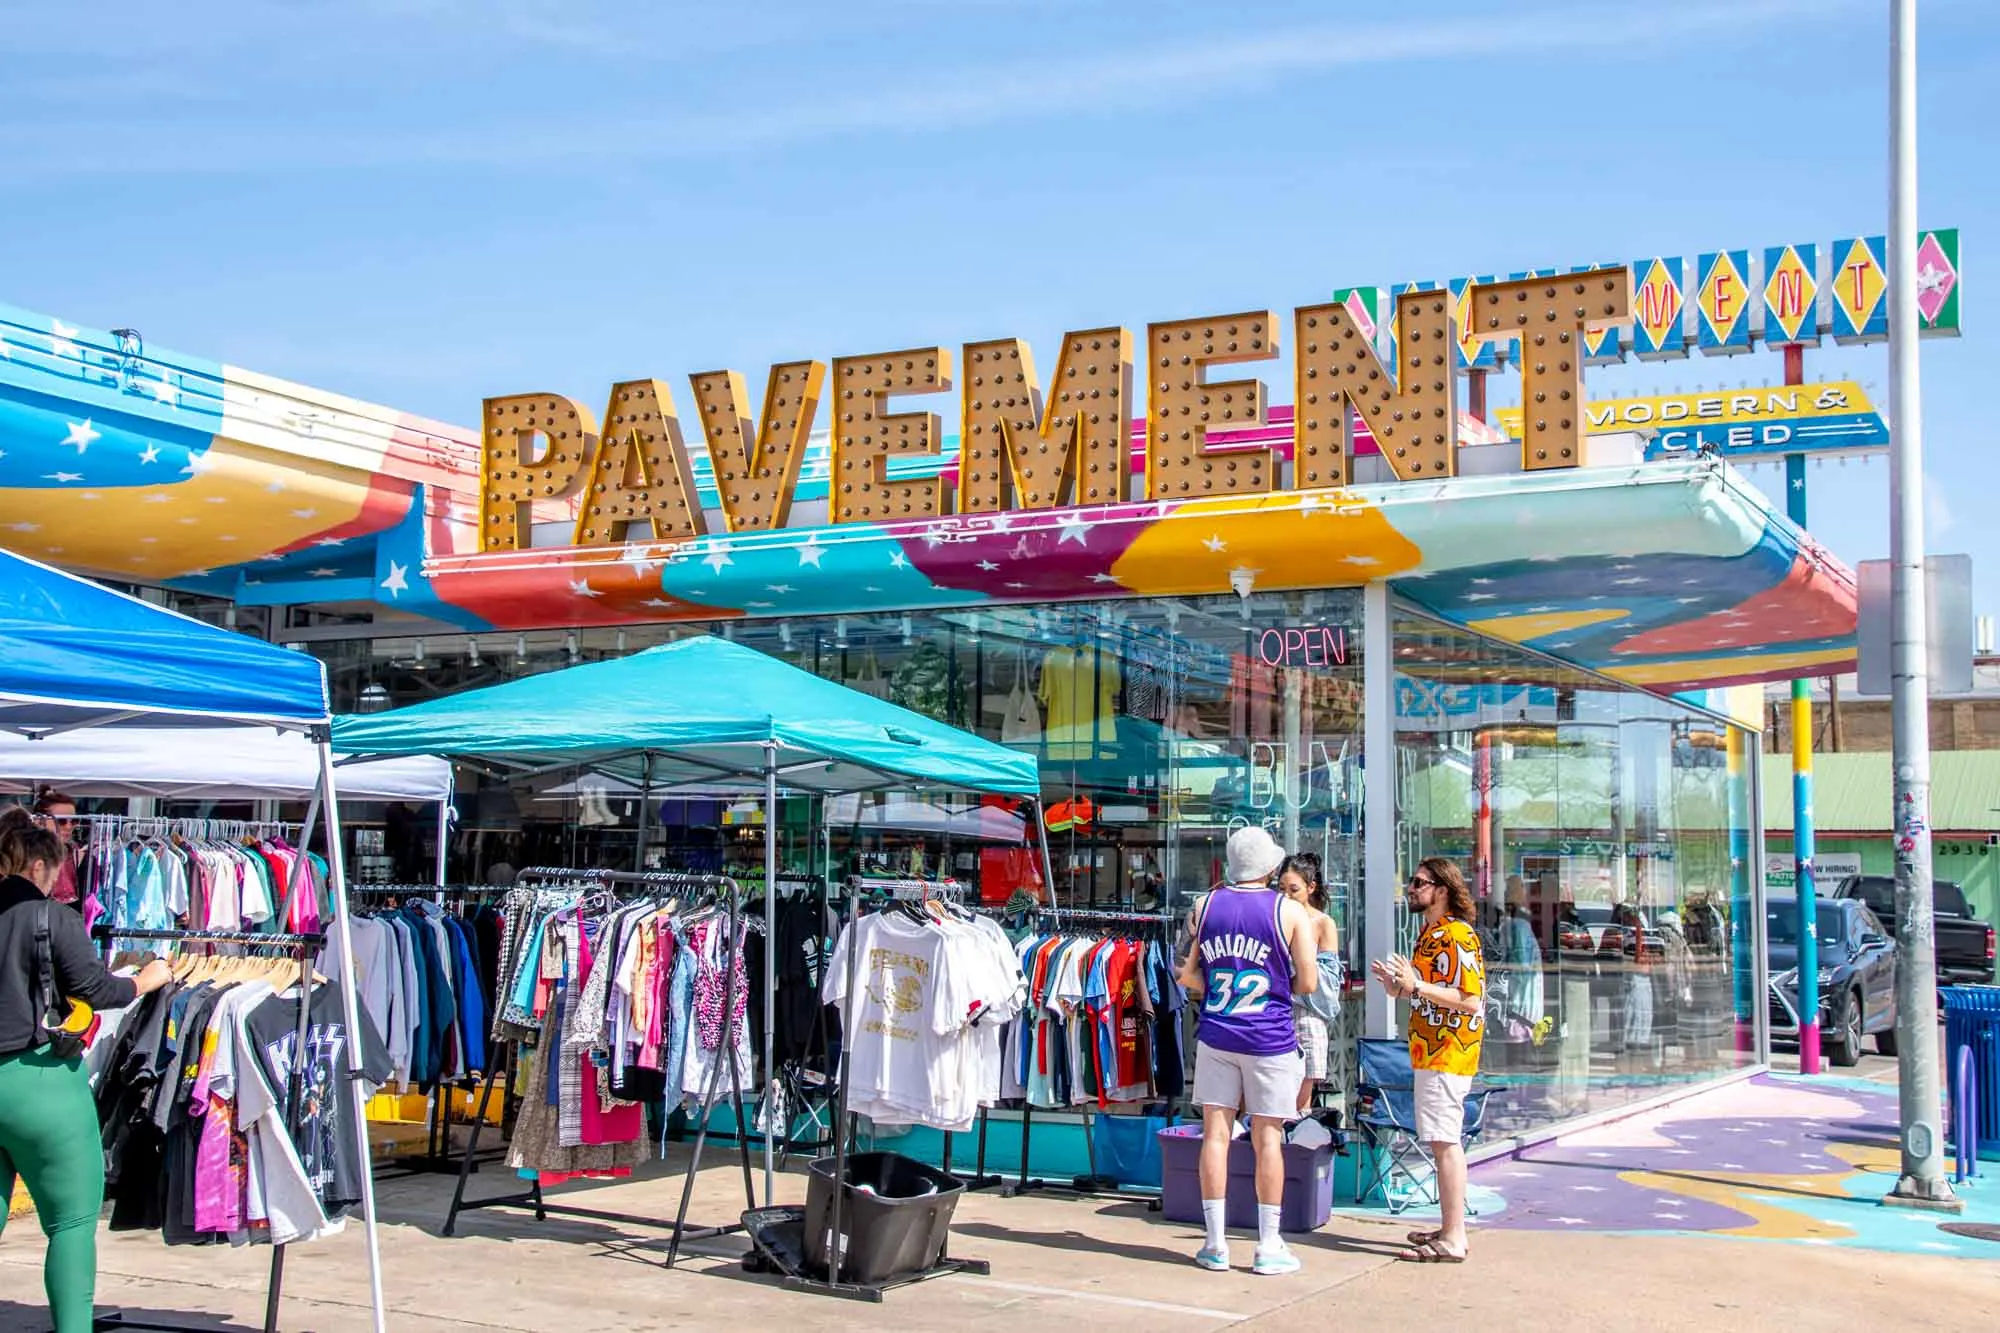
(444, 841)
(645, 808)
(770, 965)
(1048, 862)
(336, 863)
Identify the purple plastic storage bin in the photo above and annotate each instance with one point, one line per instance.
(1308, 1182)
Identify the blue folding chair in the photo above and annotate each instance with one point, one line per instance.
(1386, 1113)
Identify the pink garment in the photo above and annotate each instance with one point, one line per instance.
(221, 1160)
(621, 1122)
(656, 997)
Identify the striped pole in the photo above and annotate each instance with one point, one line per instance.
(1802, 806)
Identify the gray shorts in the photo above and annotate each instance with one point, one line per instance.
(1264, 1085)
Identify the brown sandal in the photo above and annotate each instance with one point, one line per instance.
(1423, 1237)
(1430, 1252)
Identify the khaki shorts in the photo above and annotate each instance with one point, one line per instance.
(1265, 1085)
(1440, 1102)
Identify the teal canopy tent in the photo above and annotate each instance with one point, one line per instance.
(701, 714)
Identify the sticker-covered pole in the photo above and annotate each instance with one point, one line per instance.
(1922, 1181)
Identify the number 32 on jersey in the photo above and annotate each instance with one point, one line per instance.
(1231, 992)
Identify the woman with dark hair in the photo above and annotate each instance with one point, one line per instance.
(1300, 880)
(48, 1122)
(56, 812)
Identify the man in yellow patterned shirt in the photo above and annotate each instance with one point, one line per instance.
(1445, 983)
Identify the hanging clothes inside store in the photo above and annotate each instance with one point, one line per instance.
(936, 989)
(143, 875)
(192, 1094)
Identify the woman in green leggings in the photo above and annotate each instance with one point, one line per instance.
(48, 1122)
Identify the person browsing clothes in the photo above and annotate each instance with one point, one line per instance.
(1252, 951)
(48, 1121)
(1444, 980)
(1300, 880)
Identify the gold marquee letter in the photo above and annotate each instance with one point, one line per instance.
(641, 472)
(1015, 454)
(514, 476)
(1550, 316)
(1415, 422)
(757, 474)
(866, 435)
(1181, 408)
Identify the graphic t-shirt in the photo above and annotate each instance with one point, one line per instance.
(1445, 1040)
(321, 1119)
(897, 1029)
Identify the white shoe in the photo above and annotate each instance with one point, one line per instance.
(1215, 1261)
(1275, 1261)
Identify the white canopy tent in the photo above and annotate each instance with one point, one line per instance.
(232, 763)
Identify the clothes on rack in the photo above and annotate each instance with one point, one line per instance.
(935, 991)
(801, 931)
(612, 1005)
(420, 970)
(1102, 1021)
(139, 877)
(192, 1099)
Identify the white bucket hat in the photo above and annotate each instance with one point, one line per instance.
(1252, 856)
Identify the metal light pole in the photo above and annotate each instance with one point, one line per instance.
(1922, 1181)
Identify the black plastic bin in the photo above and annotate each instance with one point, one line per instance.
(896, 1232)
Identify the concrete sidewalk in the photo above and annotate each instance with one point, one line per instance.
(1566, 1239)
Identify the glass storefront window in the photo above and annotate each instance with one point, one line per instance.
(1595, 825)
(1160, 725)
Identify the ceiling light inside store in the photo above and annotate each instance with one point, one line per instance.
(840, 631)
(571, 647)
(374, 698)
(472, 651)
(785, 634)
(623, 643)
(419, 664)
(972, 626)
(520, 650)
(906, 631)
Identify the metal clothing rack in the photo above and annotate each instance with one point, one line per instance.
(533, 1198)
(832, 1284)
(303, 948)
(137, 825)
(788, 1084)
(436, 1159)
(1022, 1183)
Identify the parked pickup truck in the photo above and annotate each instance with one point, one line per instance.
(1964, 944)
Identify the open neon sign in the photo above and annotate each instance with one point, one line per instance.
(1303, 646)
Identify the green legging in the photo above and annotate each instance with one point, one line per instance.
(48, 1134)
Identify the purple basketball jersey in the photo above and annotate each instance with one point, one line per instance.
(1247, 972)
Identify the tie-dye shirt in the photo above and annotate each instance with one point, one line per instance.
(1446, 1040)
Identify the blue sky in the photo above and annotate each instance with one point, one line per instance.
(424, 202)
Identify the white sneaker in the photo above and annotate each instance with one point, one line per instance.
(1275, 1261)
(1215, 1261)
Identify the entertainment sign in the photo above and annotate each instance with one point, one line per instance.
(1016, 452)
(1393, 356)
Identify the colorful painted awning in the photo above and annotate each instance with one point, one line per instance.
(1670, 575)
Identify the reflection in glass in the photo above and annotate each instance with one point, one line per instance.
(1597, 827)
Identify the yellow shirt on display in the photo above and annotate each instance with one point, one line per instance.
(1441, 1039)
